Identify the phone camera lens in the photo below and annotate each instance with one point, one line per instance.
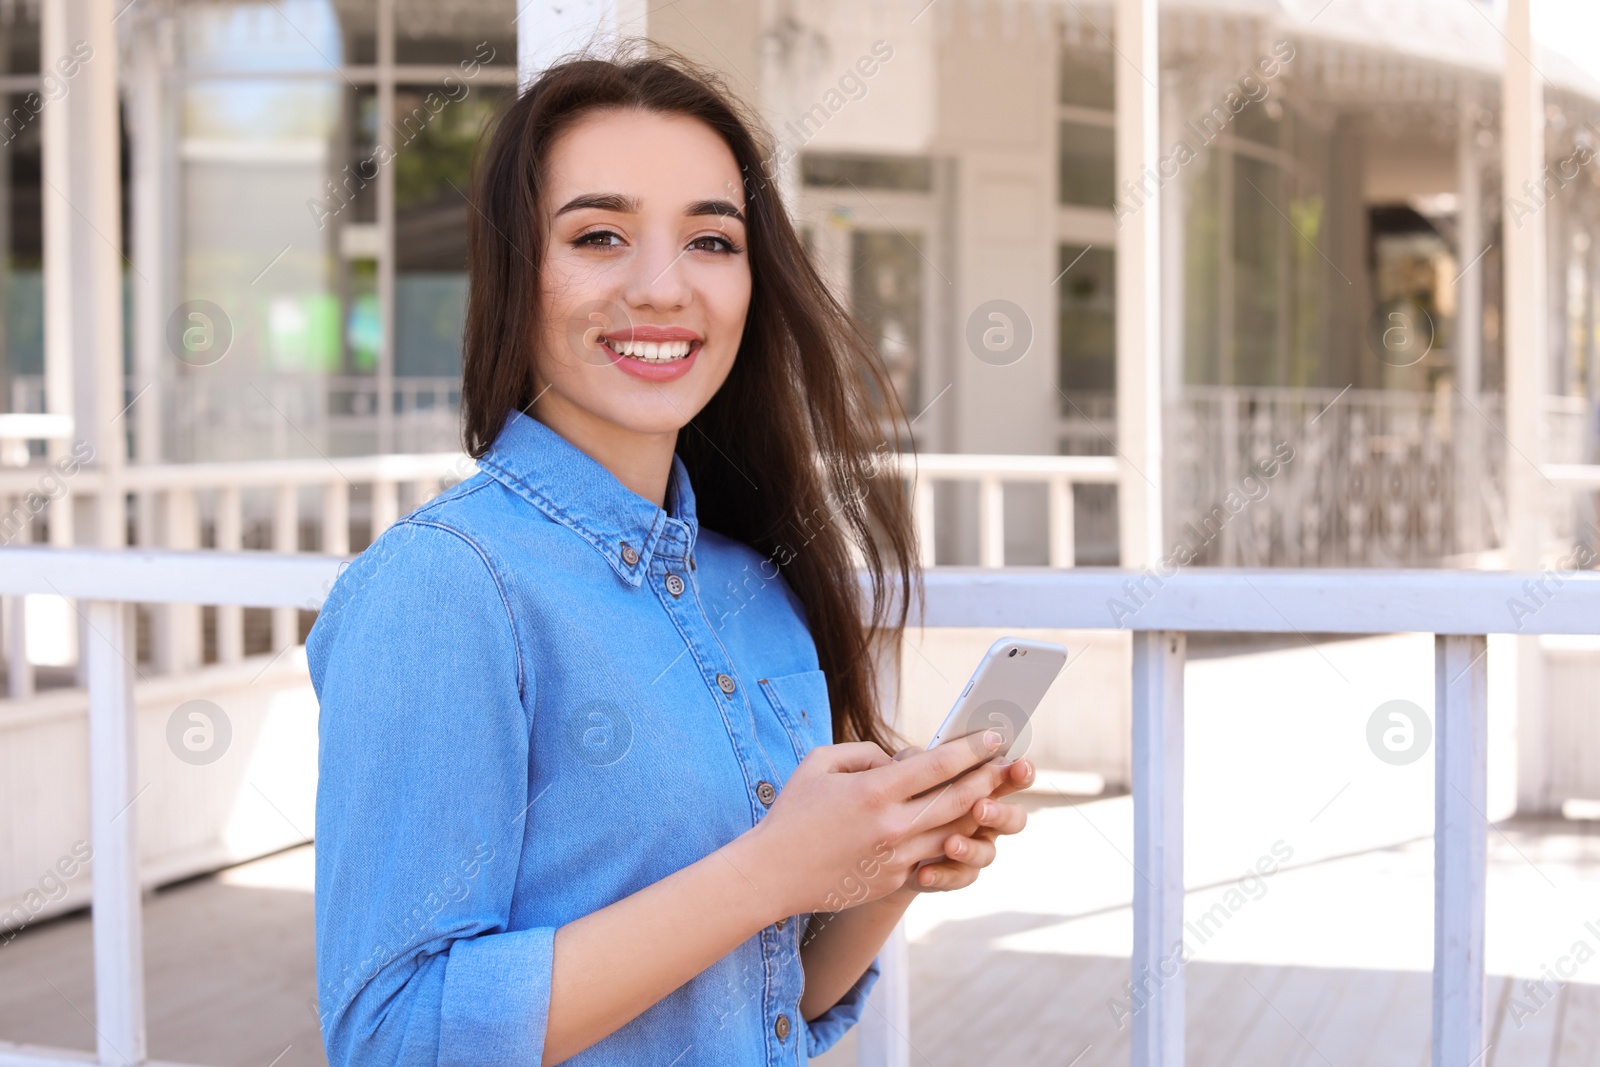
(1013, 652)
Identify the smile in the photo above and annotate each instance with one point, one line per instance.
(657, 352)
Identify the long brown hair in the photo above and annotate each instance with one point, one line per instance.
(810, 490)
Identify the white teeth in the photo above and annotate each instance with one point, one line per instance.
(651, 351)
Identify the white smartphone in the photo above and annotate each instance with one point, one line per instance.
(1011, 680)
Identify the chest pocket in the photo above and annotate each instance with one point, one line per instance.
(801, 703)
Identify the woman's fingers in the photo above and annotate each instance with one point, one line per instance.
(926, 770)
(955, 799)
(945, 875)
(971, 851)
(1000, 818)
(852, 756)
(1019, 776)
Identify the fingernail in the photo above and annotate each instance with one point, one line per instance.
(984, 808)
(958, 848)
(929, 878)
(992, 739)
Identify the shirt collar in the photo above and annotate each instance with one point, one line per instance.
(576, 490)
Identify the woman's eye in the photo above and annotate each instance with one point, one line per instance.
(599, 239)
(713, 244)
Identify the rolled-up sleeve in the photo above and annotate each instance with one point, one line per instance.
(823, 1032)
(422, 793)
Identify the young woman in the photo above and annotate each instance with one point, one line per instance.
(603, 773)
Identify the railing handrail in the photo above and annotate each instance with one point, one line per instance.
(1573, 475)
(396, 467)
(402, 467)
(1100, 469)
(1197, 599)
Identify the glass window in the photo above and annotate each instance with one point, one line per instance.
(1258, 247)
(433, 172)
(21, 287)
(445, 34)
(1088, 165)
(1260, 122)
(1088, 78)
(886, 297)
(913, 173)
(280, 156)
(1086, 303)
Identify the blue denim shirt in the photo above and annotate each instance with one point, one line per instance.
(541, 693)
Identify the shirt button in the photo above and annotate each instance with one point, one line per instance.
(781, 1027)
(725, 683)
(630, 555)
(674, 585)
(766, 794)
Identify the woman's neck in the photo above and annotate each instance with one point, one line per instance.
(640, 461)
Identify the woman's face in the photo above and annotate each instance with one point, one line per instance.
(645, 277)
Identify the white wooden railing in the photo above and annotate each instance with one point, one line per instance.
(194, 505)
(1460, 607)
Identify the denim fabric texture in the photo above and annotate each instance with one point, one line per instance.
(541, 693)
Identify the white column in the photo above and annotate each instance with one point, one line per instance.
(1526, 274)
(82, 243)
(54, 131)
(1469, 431)
(1525, 302)
(546, 30)
(1156, 998)
(1139, 370)
(118, 918)
(152, 180)
(1460, 828)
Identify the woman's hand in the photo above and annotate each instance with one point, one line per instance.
(852, 824)
(970, 844)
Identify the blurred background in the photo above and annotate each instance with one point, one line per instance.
(1287, 283)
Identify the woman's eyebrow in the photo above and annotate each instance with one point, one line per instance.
(630, 205)
(715, 207)
(627, 205)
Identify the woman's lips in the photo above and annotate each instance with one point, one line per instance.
(656, 354)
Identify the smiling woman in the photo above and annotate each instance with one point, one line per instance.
(597, 668)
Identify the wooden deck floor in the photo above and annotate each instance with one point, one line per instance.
(230, 980)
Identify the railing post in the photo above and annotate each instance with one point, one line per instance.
(922, 509)
(385, 506)
(19, 672)
(1459, 840)
(883, 1036)
(285, 538)
(118, 921)
(1156, 992)
(179, 638)
(336, 518)
(230, 538)
(991, 522)
(1063, 518)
